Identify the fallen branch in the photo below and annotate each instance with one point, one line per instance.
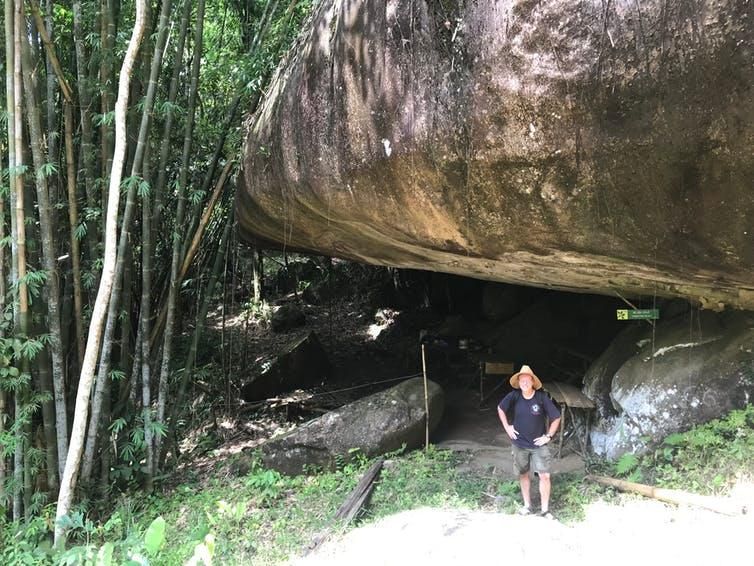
(351, 506)
(675, 496)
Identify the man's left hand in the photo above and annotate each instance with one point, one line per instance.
(542, 440)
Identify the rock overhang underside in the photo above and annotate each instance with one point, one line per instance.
(560, 144)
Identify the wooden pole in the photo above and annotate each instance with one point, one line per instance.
(426, 401)
(562, 427)
(481, 382)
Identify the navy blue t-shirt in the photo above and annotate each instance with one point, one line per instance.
(529, 415)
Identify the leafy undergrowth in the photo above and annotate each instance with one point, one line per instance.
(265, 518)
(708, 459)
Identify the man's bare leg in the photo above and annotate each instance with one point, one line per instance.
(525, 481)
(544, 491)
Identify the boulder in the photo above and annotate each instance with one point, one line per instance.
(373, 425)
(287, 317)
(581, 146)
(687, 371)
(304, 363)
(599, 377)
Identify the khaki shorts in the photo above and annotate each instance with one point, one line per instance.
(538, 459)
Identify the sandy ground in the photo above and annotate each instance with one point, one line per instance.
(632, 531)
(639, 531)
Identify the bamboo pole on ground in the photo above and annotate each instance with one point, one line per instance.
(675, 496)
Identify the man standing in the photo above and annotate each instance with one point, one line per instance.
(530, 433)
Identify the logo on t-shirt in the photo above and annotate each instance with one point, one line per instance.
(536, 409)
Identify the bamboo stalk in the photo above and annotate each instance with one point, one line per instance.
(204, 221)
(81, 412)
(65, 88)
(675, 496)
(9, 10)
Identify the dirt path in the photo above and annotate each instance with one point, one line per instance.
(638, 531)
(477, 433)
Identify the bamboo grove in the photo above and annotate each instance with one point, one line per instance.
(120, 139)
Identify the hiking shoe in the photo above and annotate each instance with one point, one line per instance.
(546, 515)
(524, 511)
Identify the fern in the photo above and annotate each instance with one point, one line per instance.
(626, 464)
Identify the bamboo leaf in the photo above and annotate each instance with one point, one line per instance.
(47, 170)
(17, 170)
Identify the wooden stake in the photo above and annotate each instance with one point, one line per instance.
(426, 401)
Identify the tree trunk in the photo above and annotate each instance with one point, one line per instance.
(112, 314)
(217, 267)
(85, 102)
(73, 221)
(9, 14)
(44, 385)
(3, 497)
(165, 148)
(52, 284)
(53, 147)
(27, 469)
(146, 380)
(68, 482)
(19, 239)
(180, 212)
(107, 44)
(675, 496)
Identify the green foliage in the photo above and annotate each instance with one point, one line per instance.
(571, 495)
(107, 119)
(426, 478)
(259, 311)
(155, 536)
(47, 170)
(705, 459)
(34, 280)
(264, 516)
(626, 464)
(134, 548)
(266, 482)
(26, 542)
(127, 440)
(137, 183)
(17, 170)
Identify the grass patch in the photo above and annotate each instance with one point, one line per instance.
(264, 517)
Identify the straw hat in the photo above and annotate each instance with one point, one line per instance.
(526, 370)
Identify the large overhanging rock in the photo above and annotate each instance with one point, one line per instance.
(579, 145)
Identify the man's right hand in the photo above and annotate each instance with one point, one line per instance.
(512, 432)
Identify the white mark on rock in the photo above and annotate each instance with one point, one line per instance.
(666, 349)
(386, 145)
